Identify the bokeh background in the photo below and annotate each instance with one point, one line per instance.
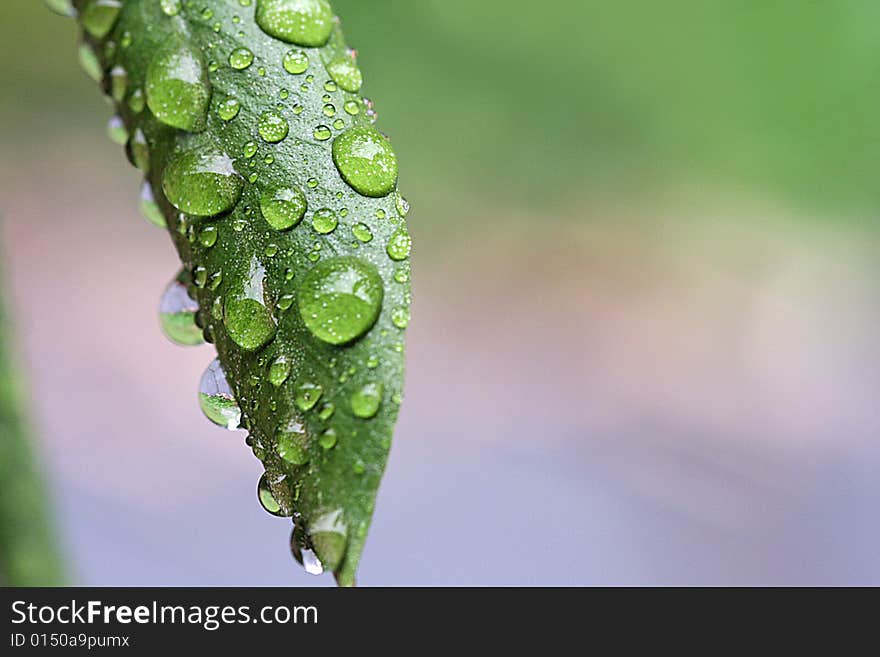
(647, 297)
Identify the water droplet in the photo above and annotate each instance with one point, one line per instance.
(312, 183)
(177, 314)
(286, 301)
(399, 246)
(136, 101)
(208, 236)
(267, 499)
(324, 221)
(178, 91)
(279, 371)
(402, 275)
(307, 395)
(402, 206)
(117, 131)
(272, 127)
(400, 317)
(283, 208)
(326, 413)
(340, 299)
(322, 133)
(339, 124)
(330, 86)
(138, 151)
(216, 398)
(229, 109)
(118, 83)
(293, 444)
(99, 16)
(88, 61)
(366, 401)
(329, 110)
(346, 74)
(248, 319)
(250, 149)
(366, 161)
(241, 58)
(328, 536)
(295, 62)
(359, 468)
(303, 22)
(62, 7)
(352, 107)
(328, 439)
(304, 556)
(202, 183)
(149, 207)
(362, 232)
(170, 7)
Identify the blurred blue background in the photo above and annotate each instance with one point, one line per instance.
(647, 299)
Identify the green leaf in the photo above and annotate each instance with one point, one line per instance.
(281, 198)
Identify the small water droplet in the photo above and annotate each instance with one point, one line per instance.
(216, 398)
(241, 58)
(340, 299)
(229, 109)
(303, 22)
(279, 371)
(322, 133)
(136, 101)
(400, 317)
(177, 314)
(366, 161)
(399, 246)
(324, 221)
(272, 127)
(138, 151)
(61, 7)
(293, 444)
(117, 131)
(307, 395)
(362, 232)
(328, 439)
(366, 401)
(326, 413)
(295, 62)
(208, 236)
(267, 499)
(88, 61)
(118, 83)
(346, 74)
(283, 208)
(250, 149)
(248, 319)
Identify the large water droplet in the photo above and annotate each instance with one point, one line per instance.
(248, 317)
(216, 398)
(267, 499)
(365, 402)
(293, 444)
(340, 299)
(241, 58)
(149, 207)
(99, 16)
(178, 90)
(366, 161)
(202, 183)
(283, 208)
(345, 73)
(303, 22)
(177, 314)
(324, 221)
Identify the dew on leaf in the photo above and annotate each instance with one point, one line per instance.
(324, 221)
(303, 22)
(178, 91)
(295, 62)
(283, 208)
(362, 232)
(365, 402)
(202, 183)
(216, 398)
(177, 315)
(279, 371)
(399, 246)
(241, 58)
(293, 444)
(229, 109)
(346, 74)
(307, 395)
(272, 127)
(366, 161)
(248, 319)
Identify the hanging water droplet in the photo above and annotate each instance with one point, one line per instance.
(178, 90)
(307, 395)
(346, 74)
(324, 221)
(340, 299)
(99, 16)
(88, 61)
(177, 314)
(118, 83)
(136, 101)
(202, 183)
(170, 7)
(304, 556)
(293, 444)
(229, 109)
(138, 151)
(272, 127)
(303, 22)
(402, 206)
(117, 131)
(283, 208)
(216, 398)
(267, 499)
(328, 537)
(279, 371)
(366, 401)
(295, 62)
(248, 317)
(149, 208)
(399, 246)
(61, 7)
(366, 161)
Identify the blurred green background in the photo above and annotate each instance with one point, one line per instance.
(646, 300)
